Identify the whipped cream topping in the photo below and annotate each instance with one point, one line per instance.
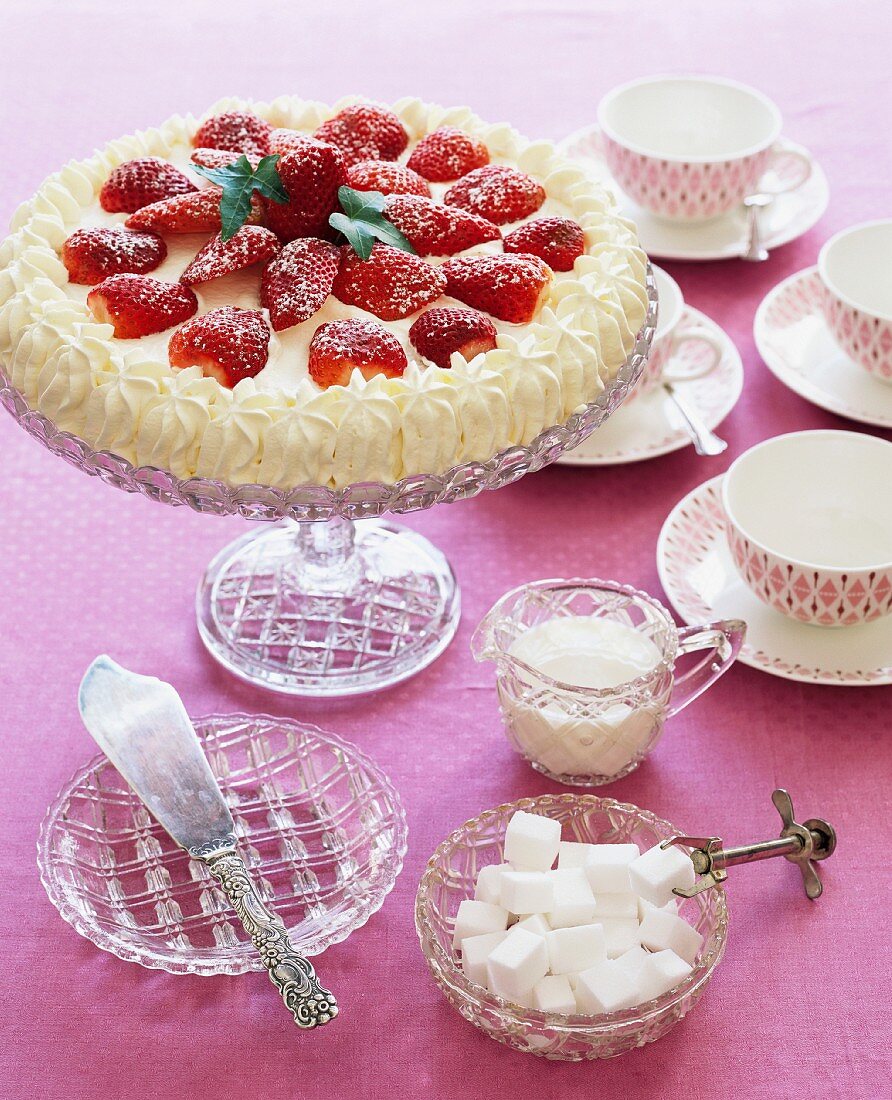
(280, 428)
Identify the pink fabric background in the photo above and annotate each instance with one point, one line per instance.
(799, 1007)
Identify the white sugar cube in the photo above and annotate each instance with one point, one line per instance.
(553, 994)
(606, 987)
(645, 906)
(526, 891)
(620, 933)
(607, 867)
(659, 871)
(475, 950)
(662, 931)
(660, 973)
(517, 963)
(572, 978)
(531, 841)
(535, 923)
(633, 959)
(573, 949)
(525, 1000)
(571, 854)
(616, 905)
(574, 902)
(475, 918)
(488, 886)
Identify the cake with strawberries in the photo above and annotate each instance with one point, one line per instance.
(286, 293)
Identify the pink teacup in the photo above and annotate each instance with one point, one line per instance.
(855, 267)
(691, 148)
(662, 363)
(809, 525)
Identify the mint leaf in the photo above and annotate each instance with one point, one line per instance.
(362, 222)
(268, 181)
(357, 233)
(356, 204)
(239, 181)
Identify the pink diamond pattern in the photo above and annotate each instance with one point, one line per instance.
(690, 191)
(827, 597)
(863, 337)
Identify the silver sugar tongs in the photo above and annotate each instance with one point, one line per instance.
(803, 845)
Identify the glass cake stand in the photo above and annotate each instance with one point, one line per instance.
(330, 599)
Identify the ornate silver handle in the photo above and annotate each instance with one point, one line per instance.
(309, 1003)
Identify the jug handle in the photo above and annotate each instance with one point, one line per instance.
(722, 641)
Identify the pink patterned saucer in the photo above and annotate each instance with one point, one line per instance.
(650, 425)
(722, 238)
(799, 349)
(699, 578)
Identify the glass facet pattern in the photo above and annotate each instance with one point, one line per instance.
(325, 625)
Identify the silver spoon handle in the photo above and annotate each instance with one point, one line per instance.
(755, 251)
(705, 441)
(309, 1003)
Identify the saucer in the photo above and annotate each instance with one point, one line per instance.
(786, 218)
(650, 425)
(699, 578)
(799, 349)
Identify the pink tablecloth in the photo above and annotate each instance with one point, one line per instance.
(797, 1007)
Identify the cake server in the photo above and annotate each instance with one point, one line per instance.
(140, 723)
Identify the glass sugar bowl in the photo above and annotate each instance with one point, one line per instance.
(449, 879)
(585, 672)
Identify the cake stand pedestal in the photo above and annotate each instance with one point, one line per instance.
(328, 608)
(331, 600)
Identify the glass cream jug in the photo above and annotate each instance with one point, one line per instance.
(585, 671)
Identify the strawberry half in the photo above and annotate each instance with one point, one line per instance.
(229, 344)
(509, 287)
(446, 154)
(387, 178)
(364, 131)
(497, 192)
(138, 305)
(136, 183)
(198, 212)
(391, 283)
(297, 281)
(311, 173)
(439, 332)
(557, 241)
(241, 131)
(91, 255)
(252, 244)
(435, 230)
(340, 347)
(221, 158)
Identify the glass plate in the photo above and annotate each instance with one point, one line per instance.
(320, 826)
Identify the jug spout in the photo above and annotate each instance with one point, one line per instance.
(484, 646)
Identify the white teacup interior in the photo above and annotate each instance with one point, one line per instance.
(671, 302)
(689, 118)
(819, 498)
(856, 265)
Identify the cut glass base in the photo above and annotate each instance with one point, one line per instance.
(328, 608)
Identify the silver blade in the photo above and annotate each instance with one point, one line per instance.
(143, 728)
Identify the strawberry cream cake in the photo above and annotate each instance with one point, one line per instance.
(286, 293)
